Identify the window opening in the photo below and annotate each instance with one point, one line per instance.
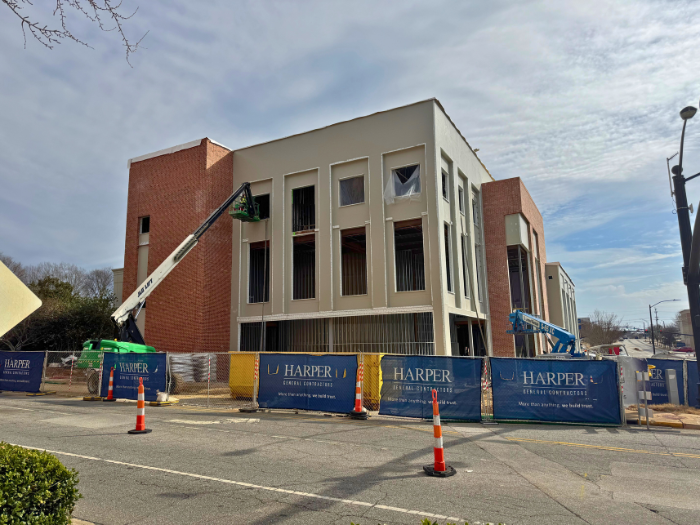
(476, 220)
(520, 295)
(145, 225)
(465, 269)
(445, 187)
(448, 258)
(461, 200)
(353, 246)
(304, 263)
(303, 209)
(538, 269)
(259, 272)
(352, 190)
(404, 183)
(263, 202)
(408, 247)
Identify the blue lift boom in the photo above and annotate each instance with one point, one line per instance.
(524, 323)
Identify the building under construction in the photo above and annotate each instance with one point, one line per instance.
(382, 234)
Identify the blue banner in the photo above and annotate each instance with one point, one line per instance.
(693, 381)
(657, 380)
(21, 371)
(128, 368)
(570, 391)
(408, 382)
(323, 383)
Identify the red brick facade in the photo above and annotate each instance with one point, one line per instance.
(501, 198)
(190, 310)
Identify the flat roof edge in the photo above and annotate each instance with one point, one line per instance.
(173, 149)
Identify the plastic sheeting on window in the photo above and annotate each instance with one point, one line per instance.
(398, 190)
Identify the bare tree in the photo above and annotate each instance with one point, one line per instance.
(603, 328)
(66, 272)
(14, 266)
(99, 282)
(94, 10)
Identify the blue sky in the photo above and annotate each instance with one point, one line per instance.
(579, 99)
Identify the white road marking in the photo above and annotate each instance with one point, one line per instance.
(253, 486)
(238, 420)
(37, 409)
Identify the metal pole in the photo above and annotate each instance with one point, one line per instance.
(208, 377)
(70, 381)
(264, 292)
(645, 374)
(651, 329)
(43, 371)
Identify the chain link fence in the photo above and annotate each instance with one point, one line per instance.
(217, 380)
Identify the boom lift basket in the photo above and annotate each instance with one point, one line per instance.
(240, 210)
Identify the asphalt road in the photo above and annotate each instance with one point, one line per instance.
(201, 466)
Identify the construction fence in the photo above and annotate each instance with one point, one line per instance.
(469, 388)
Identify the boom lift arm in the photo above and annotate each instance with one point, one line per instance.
(124, 318)
(524, 323)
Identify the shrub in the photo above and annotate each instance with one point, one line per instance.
(35, 488)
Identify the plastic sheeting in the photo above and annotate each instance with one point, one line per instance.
(396, 190)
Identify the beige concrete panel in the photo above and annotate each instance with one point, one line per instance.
(118, 280)
(18, 301)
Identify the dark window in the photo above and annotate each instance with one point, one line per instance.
(353, 245)
(303, 209)
(445, 188)
(408, 246)
(352, 191)
(448, 257)
(519, 274)
(461, 200)
(304, 278)
(145, 225)
(259, 272)
(263, 202)
(465, 268)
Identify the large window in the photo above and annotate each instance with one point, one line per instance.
(259, 272)
(352, 190)
(445, 186)
(304, 278)
(538, 271)
(263, 202)
(408, 247)
(353, 246)
(478, 255)
(303, 209)
(448, 257)
(465, 268)
(404, 183)
(461, 200)
(520, 295)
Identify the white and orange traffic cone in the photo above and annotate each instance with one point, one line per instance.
(359, 412)
(439, 469)
(110, 392)
(140, 412)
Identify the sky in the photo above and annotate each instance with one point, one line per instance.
(579, 99)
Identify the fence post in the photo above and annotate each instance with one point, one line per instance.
(43, 370)
(99, 381)
(208, 376)
(685, 381)
(255, 380)
(168, 375)
(620, 393)
(70, 381)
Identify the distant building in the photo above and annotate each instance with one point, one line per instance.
(686, 327)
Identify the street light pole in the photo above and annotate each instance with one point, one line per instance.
(691, 276)
(651, 329)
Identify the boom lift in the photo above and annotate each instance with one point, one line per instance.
(524, 323)
(244, 209)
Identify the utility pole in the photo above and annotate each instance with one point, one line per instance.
(651, 330)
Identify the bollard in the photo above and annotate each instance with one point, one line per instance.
(359, 412)
(110, 393)
(438, 469)
(141, 412)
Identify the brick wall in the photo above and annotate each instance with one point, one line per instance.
(501, 198)
(190, 310)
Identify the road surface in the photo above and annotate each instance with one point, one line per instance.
(215, 466)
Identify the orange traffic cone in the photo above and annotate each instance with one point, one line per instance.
(359, 412)
(110, 393)
(439, 469)
(140, 412)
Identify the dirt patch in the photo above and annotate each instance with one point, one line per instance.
(671, 409)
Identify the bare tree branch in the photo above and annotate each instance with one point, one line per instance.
(93, 10)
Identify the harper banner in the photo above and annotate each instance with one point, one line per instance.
(570, 391)
(21, 371)
(128, 368)
(324, 383)
(408, 382)
(657, 380)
